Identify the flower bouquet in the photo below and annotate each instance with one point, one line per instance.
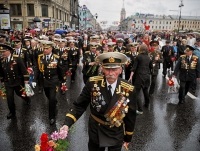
(3, 92)
(57, 141)
(64, 87)
(68, 73)
(173, 85)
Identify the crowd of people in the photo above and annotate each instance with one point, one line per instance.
(124, 63)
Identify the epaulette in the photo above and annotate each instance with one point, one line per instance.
(194, 56)
(56, 56)
(127, 86)
(40, 55)
(123, 46)
(96, 79)
(15, 56)
(75, 47)
(183, 56)
(128, 52)
(87, 51)
(24, 49)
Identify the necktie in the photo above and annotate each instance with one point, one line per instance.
(109, 92)
(47, 58)
(188, 60)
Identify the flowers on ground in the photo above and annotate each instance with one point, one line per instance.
(56, 142)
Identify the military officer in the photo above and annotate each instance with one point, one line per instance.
(51, 70)
(188, 67)
(167, 54)
(120, 47)
(112, 104)
(111, 46)
(156, 58)
(90, 67)
(131, 58)
(21, 52)
(14, 75)
(74, 56)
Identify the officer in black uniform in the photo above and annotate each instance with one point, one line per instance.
(112, 104)
(14, 75)
(51, 69)
(131, 58)
(188, 68)
(74, 56)
(156, 58)
(120, 47)
(90, 67)
(21, 52)
(167, 54)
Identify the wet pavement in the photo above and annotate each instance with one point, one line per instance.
(165, 126)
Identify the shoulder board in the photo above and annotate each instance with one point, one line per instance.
(183, 56)
(75, 47)
(40, 55)
(96, 79)
(194, 56)
(15, 56)
(99, 44)
(128, 52)
(24, 49)
(127, 86)
(123, 46)
(56, 56)
(87, 52)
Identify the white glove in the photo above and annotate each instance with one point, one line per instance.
(33, 84)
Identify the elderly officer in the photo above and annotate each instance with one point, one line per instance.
(74, 56)
(14, 75)
(156, 58)
(112, 104)
(188, 68)
(90, 67)
(51, 71)
(120, 47)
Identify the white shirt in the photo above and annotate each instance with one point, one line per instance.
(112, 85)
(8, 58)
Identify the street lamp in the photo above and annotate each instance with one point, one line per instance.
(96, 16)
(181, 5)
(85, 9)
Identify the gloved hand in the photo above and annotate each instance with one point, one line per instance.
(33, 84)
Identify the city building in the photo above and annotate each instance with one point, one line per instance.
(151, 22)
(87, 20)
(123, 13)
(52, 13)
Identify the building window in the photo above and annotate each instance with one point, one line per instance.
(44, 10)
(65, 16)
(167, 22)
(60, 14)
(152, 27)
(30, 10)
(56, 13)
(174, 21)
(53, 11)
(15, 10)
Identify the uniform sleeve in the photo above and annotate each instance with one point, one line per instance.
(177, 67)
(79, 106)
(1, 72)
(22, 69)
(135, 64)
(130, 119)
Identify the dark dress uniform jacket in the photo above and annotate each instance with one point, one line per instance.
(142, 70)
(52, 71)
(188, 71)
(122, 50)
(74, 56)
(14, 72)
(155, 63)
(88, 69)
(104, 135)
(167, 53)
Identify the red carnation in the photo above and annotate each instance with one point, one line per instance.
(44, 137)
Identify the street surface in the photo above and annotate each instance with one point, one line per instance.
(165, 126)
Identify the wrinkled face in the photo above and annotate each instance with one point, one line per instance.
(120, 44)
(46, 50)
(188, 53)
(133, 49)
(112, 74)
(5, 54)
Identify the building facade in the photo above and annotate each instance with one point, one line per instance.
(87, 20)
(52, 13)
(142, 22)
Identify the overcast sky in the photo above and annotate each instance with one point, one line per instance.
(109, 10)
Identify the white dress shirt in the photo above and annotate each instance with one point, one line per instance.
(112, 85)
